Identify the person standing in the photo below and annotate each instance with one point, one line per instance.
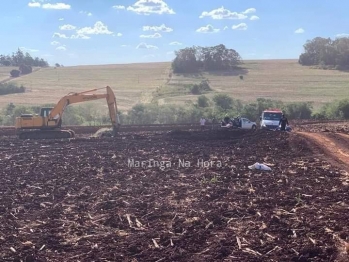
(202, 123)
(214, 123)
(283, 122)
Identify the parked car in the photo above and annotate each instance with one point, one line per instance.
(244, 123)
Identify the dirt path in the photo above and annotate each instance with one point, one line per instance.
(334, 146)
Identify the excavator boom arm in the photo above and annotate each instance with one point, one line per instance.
(57, 112)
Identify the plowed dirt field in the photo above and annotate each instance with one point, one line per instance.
(82, 200)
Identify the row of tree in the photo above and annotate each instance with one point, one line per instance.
(318, 51)
(197, 58)
(325, 51)
(153, 113)
(20, 58)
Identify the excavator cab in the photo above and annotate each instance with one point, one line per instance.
(45, 111)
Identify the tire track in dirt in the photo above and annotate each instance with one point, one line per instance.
(334, 145)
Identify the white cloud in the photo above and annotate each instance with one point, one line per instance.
(61, 19)
(342, 35)
(207, 29)
(241, 26)
(86, 13)
(29, 50)
(147, 7)
(299, 31)
(156, 35)
(225, 28)
(223, 13)
(67, 27)
(58, 6)
(80, 36)
(98, 29)
(254, 17)
(34, 4)
(62, 47)
(161, 28)
(55, 43)
(145, 46)
(59, 35)
(249, 11)
(119, 7)
(175, 43)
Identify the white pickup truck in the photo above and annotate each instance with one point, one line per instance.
(245, 124)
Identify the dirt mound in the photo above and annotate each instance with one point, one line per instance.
(95, 200)
(342, 127)
(103, 132)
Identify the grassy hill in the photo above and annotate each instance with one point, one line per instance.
(5, 72)
(132, 83)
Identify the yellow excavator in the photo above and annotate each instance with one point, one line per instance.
(48, 124)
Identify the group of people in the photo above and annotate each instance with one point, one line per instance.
(226, 121)
(203, 122)
(283, 122)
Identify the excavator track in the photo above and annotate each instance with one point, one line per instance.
(47, 134)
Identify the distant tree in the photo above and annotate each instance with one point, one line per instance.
(10, 88)
(185, 61)
(9, 108)
(326, 52)
(25, 69)
(300, 110)
(18, 58)
(342, 51)
(224, 101)
(6, 63)
(343, 108)
(28, 60)
(57, 65)
(196, 58)
(203, 101)
(15, 73)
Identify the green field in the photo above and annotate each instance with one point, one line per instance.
(284, 80)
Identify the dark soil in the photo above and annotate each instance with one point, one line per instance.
(342, 127)
(79, 200)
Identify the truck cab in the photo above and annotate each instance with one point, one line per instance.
(270, 119)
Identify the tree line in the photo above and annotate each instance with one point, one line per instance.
(153, 113)
(319, 51)
(198, 58)
(20, 58)
(11, 88)
(326, 52)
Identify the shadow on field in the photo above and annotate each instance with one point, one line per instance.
(190, 75)
(234, 72)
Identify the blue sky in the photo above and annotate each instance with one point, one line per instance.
(77, 32)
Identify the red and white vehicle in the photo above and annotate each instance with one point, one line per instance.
(270, 118)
